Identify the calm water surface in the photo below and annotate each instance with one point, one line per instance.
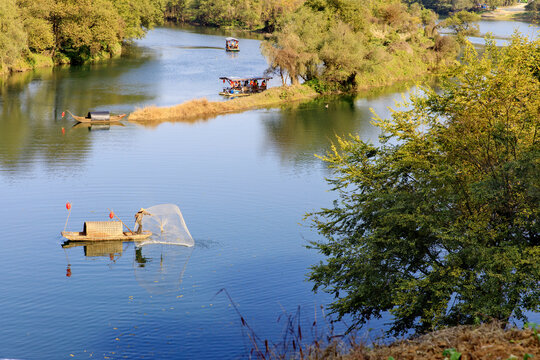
(243, 183)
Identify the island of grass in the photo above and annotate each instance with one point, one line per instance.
(202, 108)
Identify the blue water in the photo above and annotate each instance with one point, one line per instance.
(242, 181)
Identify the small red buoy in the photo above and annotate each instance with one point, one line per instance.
(68, 272)
(111, 215)
(68, 205)
(63, 131)
(63, 113)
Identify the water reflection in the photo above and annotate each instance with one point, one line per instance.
(299, 131)
(32, 103)
(94, 127)
(160, 268)
(109, 249)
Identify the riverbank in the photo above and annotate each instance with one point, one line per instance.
(487, 341)
(514, 12)
(202, 108)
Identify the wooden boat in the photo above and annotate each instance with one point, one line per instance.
(244, 86)
(231, 44)
(97, 117)
(104, 231)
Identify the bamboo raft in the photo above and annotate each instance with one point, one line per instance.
(97, 117)
(104, 231)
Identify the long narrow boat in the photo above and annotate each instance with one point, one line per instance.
(104, 231)
(97, 117)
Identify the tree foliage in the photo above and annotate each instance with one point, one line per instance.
(462, 23)
(439, 225)
(12, 35)
(348, 44)
(248, 14)
(74, 30)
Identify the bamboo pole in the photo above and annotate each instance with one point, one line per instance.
(120, 220)
(69, 213)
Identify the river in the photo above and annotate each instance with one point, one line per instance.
(243, 182)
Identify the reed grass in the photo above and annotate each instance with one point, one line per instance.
(203, 109)
(319, 341)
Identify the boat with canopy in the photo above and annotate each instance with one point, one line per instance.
(231, 44)
(105, 231)
(97, 117)
(244, 86)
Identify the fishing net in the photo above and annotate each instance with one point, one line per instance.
(167, 226)
(159, 268)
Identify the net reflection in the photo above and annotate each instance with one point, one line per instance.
(160, 268)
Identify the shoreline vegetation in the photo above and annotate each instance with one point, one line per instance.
(197, 109)
(486, 341)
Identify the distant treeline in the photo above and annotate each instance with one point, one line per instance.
(246, 14)
(445, 7)
(45, 32)
(264, 14)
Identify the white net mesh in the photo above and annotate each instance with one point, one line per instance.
(167, 226)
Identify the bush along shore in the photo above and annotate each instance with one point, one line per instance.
(41, 33)
(196, 109)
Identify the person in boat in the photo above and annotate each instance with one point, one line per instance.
(138, 219)
(263, 85)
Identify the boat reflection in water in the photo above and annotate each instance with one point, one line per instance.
(94, 127)
(158, 268)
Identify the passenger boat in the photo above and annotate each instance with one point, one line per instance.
(104, 231)
(231, 44)
(97, 117)
(244, 86)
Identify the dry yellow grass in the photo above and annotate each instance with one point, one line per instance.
(203, 109)
(488, 341)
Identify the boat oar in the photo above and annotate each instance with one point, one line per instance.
(112, 212)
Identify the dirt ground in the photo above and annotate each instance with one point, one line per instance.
(507, 12)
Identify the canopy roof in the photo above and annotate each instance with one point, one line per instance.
(231, 39)
(234, 78)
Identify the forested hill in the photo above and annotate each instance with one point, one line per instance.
(43, 32)
(264, 14)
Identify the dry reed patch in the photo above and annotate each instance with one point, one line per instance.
(202, 108)
(488, 341)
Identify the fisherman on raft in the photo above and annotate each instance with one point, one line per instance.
(138, 219)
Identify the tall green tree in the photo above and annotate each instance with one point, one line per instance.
(12, 35)
(139, 16)
(439, 224)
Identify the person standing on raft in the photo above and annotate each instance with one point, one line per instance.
(138, 219)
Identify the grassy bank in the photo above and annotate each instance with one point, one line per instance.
(202, 108)
(487, 341)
